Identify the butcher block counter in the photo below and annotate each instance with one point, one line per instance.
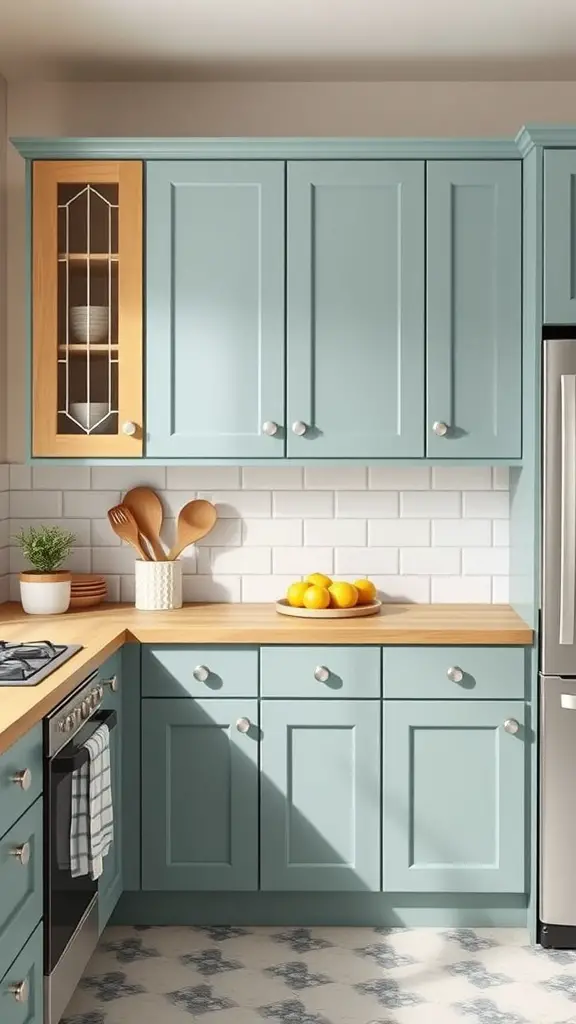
(103, 630)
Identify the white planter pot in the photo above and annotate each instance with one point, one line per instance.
(45, 594)
(158, 586)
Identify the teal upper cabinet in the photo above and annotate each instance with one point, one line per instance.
(199, 794)
(320, 797)
(560, 236)
(215, 309)
(474, 255)
(454, 778)
(355, 309)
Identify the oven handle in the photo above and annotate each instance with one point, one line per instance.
(67, 764)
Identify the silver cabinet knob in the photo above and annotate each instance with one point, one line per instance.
(455, 674)
(129, 428)
(23, 778)
(440, 428)
(22, 853)
(270, 428)
(299, 428)
(243, 725)
(511, 725)
(201, 673)
(20, 990)
(321, 673)
(112, 683)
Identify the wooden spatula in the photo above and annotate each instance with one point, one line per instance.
(146, 507)
(125, 526)
(195, 520)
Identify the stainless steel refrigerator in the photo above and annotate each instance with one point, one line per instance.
(557, 900)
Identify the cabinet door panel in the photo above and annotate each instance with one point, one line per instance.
(320, 787)
(215, 308)
(474, 308)
(453, 797)
(199, 795)
(560, 237)
(356, 308)
(27, 968)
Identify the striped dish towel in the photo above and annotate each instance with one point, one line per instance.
(91, 820)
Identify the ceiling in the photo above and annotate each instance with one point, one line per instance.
(288, 39)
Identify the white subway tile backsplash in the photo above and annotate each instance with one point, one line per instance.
(335, 532)
(265, 588)
(113, 588)
(366, 561)
(485, 561)
(123, 478)
(481, 504)
(303, 504)
(390, 478)
(431, 504)
(272, 478)
(271, 532)
(420, 533)
(461, 589)
(243, 561)
(37, 504)
(302, 561)
(430, 561)
(367, 504)
(458, 532)
(203, 478)
(398, 532)
(469, 478)
(335, 478)
(61, 478)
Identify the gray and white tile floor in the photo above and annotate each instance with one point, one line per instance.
(223, 975)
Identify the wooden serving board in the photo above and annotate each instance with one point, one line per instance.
(359, 611)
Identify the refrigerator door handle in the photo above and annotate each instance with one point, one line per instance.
(568, 508)
(568, 701)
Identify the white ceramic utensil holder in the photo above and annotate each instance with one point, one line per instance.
(158, 586)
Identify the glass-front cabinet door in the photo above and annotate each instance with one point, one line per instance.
(87, 308)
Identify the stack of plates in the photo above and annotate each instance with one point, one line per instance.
(88, 590)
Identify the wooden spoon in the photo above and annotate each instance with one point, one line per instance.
(146, 507)
(195, 520)
(125, 526)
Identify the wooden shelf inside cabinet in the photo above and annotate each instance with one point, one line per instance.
(92, 257)
(95, 350)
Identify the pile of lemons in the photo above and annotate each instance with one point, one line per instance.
(319, 591)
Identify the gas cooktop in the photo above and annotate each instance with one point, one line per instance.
(29, 664)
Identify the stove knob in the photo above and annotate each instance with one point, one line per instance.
(100, 691)
(85, 708)
(94, 698)
(62, 725)
(69, 723)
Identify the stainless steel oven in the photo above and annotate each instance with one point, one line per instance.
(70, 904)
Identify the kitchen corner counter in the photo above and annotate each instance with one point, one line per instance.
(102, 630)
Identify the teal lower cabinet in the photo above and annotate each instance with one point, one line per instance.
(21, 988)
(200, 794)
(21, 851)
(110, 883)
(454, 781)
(320, 795)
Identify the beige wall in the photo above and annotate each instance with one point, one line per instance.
(365, 109)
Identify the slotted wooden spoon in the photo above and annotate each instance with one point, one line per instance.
(125, 526)
(195, 520)
(146, 507)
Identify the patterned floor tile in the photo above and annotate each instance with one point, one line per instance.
(234, 975)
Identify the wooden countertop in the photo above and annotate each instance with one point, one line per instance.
(101, 631)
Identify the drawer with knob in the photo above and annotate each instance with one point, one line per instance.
(341, 672)
(20, 777)
(454, 673)
(21, 988)
(182, 671)
(20, 884)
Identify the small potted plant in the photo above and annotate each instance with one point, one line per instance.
(45, 589)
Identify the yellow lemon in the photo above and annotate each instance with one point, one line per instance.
(343, 595)
(366, 591)
(317, 579)
(295, 594)
(316, 597)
